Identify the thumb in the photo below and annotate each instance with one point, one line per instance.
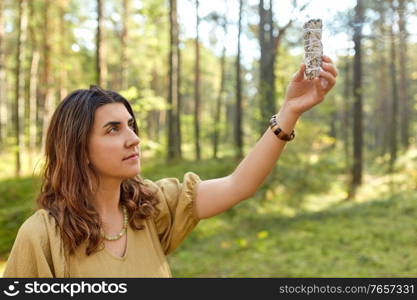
(319, 86)
(299, 75)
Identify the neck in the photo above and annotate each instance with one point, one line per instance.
(106, 200)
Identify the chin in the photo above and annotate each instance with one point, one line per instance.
(131, 174)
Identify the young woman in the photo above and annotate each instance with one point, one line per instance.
(98, 217)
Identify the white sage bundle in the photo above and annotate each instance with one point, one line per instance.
(313, 48)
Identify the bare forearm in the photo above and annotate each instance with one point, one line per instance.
(217, 195)
(258, 164)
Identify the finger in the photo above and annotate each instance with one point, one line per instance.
(299, 75)
(327, 59)
(324, 83)
(319, 88)
(329, 77)
(330, 68)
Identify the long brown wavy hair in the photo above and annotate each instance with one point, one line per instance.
(69, 181)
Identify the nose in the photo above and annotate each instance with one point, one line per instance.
(133, 139)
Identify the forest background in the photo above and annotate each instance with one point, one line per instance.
(204, 78)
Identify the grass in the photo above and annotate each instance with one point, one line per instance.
(16, 204)
(374, 236)
(373, 239)
(2, 266)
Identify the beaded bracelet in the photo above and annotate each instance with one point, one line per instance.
(278, 131)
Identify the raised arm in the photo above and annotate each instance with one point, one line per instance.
(215, 196)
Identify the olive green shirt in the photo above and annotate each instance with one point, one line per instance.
(38, 250)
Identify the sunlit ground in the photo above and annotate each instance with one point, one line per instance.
(356, 235)
(2, 266)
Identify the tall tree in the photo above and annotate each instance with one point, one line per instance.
(47, 80)
(357, 99)
(173, 113)
(346, 124)
(403, 70)
(179, 97)
(100, 56)
(381, 79)
(238, 120)
(19, 101)
(394, 91)
(63, 74)
(124, 38)
(197, 84)
(222, 20)
(270, 37)
(2, 76)
(33, 82)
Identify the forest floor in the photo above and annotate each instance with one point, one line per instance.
(373, 236)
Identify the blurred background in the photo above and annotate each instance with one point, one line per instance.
(204, 78)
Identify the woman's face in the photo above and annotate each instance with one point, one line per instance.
(112, 139)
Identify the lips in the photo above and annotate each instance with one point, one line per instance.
(130, 156)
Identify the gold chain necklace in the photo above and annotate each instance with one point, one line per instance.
(123, 231)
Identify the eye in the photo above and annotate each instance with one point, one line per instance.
(113, 127)
(132, 125)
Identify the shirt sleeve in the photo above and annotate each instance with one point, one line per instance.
(37, 250)
(178, 214)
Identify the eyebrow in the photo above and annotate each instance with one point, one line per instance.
(116, 122)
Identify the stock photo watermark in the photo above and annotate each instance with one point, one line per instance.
(70, 289)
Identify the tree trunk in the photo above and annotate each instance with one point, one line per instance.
(333, 125)
(33, 86)
(346, 113)
(174, 145)
(220, 95)
(394, 101)
(269, 40)
(19, 87)
(267, 64)
(197, 87)
(100, 56)
(238, 120)
(179, 105)
(404, 98)
(63, 74)
(124, 37)
(382, 115)
(155, 115)
(357, 98)
(3, 100)
(47, 71)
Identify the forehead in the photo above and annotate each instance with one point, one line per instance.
(111, 112)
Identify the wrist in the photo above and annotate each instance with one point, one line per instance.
(283, 123)
(288, 110)
(287, 118)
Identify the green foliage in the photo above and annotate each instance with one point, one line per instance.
(143, 101)
(309, 165)
(260, 240)
(206, 169)
(352, 240)
(16, 205)
(406, 170)
(295, 225)
(286, 65)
